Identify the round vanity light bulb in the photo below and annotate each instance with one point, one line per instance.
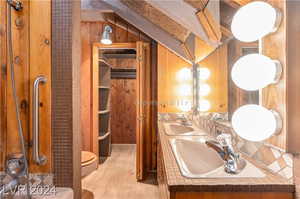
(204, 105)
(184, 74)
(254, 21)
(185, 90)
(204, 89)
(255, 71)
(255, 123)
(204, 73)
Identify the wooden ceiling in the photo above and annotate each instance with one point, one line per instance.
(173, 23)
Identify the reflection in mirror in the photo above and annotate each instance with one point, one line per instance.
(217, 89)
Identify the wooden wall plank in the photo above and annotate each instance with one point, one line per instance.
(85, 96)
(123, 100)
(20, 50)
(40, 64)
(3, 84)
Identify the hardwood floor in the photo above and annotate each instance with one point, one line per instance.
(115, 178)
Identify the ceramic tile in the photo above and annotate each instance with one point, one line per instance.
(287, 172)
(275, 167)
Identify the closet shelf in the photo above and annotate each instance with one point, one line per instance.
(104, 87)
(104, 112)
(104, 136)
(104, 63)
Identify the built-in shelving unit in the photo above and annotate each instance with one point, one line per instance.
(104, 136)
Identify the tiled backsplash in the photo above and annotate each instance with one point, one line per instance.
(276, 160)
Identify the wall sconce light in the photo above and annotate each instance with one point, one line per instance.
(204, 90)
(255, 71)
(256, 123)
(204, 73)
(254, 21)
(185, 74)
(204, 105)
(106, 35)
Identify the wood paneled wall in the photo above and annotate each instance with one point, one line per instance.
(91, 32)
(123, 104)
(169, 98)
(32, 57)
(216, 62)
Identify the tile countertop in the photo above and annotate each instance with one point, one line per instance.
(176, 182)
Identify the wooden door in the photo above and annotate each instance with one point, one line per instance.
(143, 104)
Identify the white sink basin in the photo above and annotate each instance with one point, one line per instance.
(196, 160)
(178, 129)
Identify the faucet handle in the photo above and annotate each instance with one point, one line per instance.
(224, 139)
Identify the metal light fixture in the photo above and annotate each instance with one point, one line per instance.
(106, 35)
(256, 123)
(254, 21)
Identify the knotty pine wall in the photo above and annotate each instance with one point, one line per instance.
(32, 57)
(123, 104)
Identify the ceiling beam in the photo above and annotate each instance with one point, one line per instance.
(197, 4)
(210, 25)
(149, 28)
(157, 17)
(95, 5)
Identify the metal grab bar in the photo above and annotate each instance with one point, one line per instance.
(37, 158)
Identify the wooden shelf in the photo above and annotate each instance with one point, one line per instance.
(104, 87)
(105, 64)
(104, 136)
(104, 111)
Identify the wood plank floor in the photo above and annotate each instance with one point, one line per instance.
(115, 178)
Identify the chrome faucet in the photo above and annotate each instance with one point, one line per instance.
(232, 162)
(183, 120)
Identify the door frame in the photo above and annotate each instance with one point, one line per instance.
(140, 129)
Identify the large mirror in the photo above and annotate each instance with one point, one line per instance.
(217, 93)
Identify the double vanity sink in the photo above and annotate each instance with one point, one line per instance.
(196, 160)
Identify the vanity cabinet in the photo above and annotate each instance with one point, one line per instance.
(161, 175)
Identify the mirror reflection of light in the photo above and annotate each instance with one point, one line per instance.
(184, 74)
(185, 105)
(204, 105)
(204, 73)
(184, 90)
(204, 89)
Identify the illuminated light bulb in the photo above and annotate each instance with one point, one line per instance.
(184, 90)
(184, 74)
(204, 105)
(204, 73)
(254, 21)
(204, 89)
(185, 105)
(254, 71)
(255, 123)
